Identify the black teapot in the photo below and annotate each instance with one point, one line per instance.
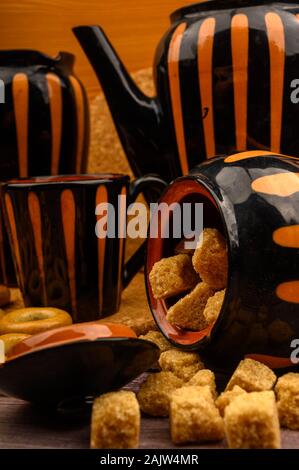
(224, 73)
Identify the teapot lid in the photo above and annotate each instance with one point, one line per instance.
(30, 57)
(207, 5)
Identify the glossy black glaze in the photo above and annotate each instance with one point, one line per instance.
(61, 261)
(70, 372)
(254, 320)
(39, 124)
(146, 126)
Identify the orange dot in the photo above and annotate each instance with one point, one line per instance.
(287, 236)
(279, 184)
(288, 291)
(250, 154)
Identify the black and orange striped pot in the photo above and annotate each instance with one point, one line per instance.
(43, 121)
(253, 198)
(224, 74)
(59, 259)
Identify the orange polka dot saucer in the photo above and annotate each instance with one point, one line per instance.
(73, 363)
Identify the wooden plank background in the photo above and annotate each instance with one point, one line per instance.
(134, 27)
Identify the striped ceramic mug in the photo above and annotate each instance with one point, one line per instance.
(43, 121)
(59, 259)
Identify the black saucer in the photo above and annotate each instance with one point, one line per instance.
(70, 372)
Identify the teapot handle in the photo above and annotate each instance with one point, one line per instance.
(154, 187)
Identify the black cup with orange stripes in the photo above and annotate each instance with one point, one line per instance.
(253, 199)
(43, 121)
(62, 259)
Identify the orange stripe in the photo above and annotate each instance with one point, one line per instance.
(275, 32)
(68, 214)
(55, 102)
(79, 99)
(36, 222)
(121, 234)
(175, 93)
(279, 184)
(271, 361)
(20, 91)
(101, 197)
(287, 236)
(252, 154)
(239, 39)
(14, 238)
(205, 56)
(288, 291)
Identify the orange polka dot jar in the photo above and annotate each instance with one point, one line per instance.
(253, 199)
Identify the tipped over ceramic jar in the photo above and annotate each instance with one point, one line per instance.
(252, 199)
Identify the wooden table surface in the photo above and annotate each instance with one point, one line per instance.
(23, 426)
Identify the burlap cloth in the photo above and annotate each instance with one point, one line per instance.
(105, 156)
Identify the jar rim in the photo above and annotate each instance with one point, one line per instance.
(188, 339)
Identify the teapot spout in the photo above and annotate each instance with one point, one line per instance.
(136, 116)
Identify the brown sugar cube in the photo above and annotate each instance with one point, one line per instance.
(287, 391)
(157, 338)
(210, 259)
(115, 421)
(251, 422)
(213, 307)
(171, 276)
(175, 359)
(187, 372)
(183, 364)
(154, 393)
(225, 398)
(188, 311)
(194, 416)
(204, 377)
(252, 376)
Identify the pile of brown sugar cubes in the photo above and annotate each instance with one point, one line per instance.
(248, 413)
(254, 404)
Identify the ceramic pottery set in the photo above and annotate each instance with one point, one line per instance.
(222, 130)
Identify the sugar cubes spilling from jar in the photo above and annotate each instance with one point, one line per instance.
(202, 278)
